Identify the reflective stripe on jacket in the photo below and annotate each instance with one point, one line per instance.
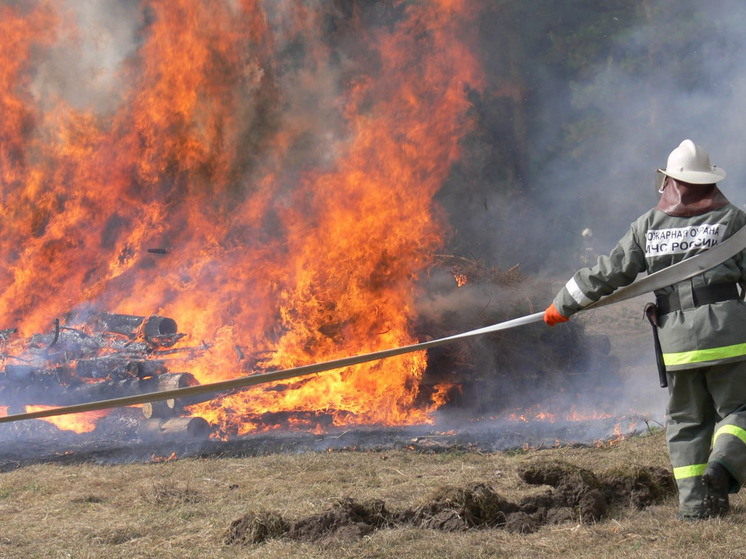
(692, 337)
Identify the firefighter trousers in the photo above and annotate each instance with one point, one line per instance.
(706, 421)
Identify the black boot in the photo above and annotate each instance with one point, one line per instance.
(717, 480)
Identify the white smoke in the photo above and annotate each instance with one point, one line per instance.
(85, 67)
(694, 89)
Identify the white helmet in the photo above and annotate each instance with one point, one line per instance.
(691, 163)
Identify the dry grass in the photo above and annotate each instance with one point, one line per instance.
(184, 508)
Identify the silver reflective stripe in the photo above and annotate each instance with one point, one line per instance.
(574, 289)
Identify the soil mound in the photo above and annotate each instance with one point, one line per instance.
(575, 488)
(347, 519)
(455, 509)
(256, 527)
(575, 494)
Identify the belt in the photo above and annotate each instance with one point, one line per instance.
(703, 295)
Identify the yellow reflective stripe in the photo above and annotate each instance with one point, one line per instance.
(689, 471)
(701, 355)
(730, 430)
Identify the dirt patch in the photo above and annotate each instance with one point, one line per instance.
(256, 527)
(574, 488)
(590, 496)
(575, 494)
(639, 487)
(455, 509)
(347, 518)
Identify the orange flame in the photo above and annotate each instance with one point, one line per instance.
(78, 422)
(573, 414)
(162, 459)
(294, 193)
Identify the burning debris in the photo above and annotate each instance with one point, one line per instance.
(261, 173)
(118, 355)
(112, 356)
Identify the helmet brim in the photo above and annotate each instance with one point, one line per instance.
(696, 177)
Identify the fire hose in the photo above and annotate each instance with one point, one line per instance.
(681, 271)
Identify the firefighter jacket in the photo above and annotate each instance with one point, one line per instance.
(694, 335)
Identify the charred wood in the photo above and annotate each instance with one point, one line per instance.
(7, 333)
(29, 374)
(126, 324)
(131, 325)
(56, 332)
(193, 350)
(118, 368)
(161, 409)
(67, 342)
(196, 427)
(45, 389)
(158, 326)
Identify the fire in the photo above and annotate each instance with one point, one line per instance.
(289, 184)
(163, 459)
(573, 414)
(77, 422)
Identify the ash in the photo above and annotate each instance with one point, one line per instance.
(119, 439)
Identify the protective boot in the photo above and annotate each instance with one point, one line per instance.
(717, 480)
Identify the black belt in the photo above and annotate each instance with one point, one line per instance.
(703, 295)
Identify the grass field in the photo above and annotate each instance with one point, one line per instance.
(183, 508)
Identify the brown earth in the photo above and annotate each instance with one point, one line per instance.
(576, 495)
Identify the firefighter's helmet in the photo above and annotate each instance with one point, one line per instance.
(691, 163)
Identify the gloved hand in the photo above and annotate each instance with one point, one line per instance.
(552, 316)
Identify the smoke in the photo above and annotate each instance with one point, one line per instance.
(585, 100)
(99, 36)
(676, 74)
(564, 158)
(601, 96)
(518, 184)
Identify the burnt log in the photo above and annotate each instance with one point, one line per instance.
(118, 368)
(129, 325)
(30, 374)
(126, 324)
(155, 326)
(161, 409)
(196, 427)
(44, 393)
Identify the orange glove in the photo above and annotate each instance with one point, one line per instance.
(552, 316)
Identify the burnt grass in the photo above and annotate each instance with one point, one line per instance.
(574, 494)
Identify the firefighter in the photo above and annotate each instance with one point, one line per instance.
(701, 324)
